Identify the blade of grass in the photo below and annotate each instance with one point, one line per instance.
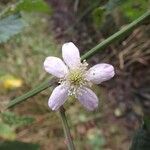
(87, 55)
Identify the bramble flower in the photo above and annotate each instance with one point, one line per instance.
(75, 78)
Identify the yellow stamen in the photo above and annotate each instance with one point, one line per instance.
(76, 77)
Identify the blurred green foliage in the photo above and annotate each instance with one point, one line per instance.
(16, 121)
(129, 9)
(141, 139)
(7, 132)
(34, 43)
(11, 21)
(29, 47)
(147, 123)
(9, 122)
(33, 6)
(133, 9)
(17, 145)
(98, 15)
(10, 26)
(96, 139)
(112, 4)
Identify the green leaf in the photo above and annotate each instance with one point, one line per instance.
(10, 26)
(133, 9)
(141, 140)
(16, 121)
(6, 132)
(98, 15)
(17, 145)
(33, 6)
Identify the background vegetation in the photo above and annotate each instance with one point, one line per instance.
(31, 30)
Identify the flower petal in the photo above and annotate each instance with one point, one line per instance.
(100, 73)
(70, 54)
(55, 66)
(58, 97)
(88, 99)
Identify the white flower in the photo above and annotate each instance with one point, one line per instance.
(75, 78)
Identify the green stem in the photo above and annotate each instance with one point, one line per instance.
(87, 55)
(66, 129)
(118, 35)
(31, 93)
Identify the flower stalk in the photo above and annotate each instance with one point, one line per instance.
(66, 129)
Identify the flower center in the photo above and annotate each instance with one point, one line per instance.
(76, 77)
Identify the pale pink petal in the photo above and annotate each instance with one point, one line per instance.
(70, 54)
(100, 73)
(88, 99)
(55, 66)
(58, 97)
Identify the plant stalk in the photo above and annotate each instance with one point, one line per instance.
(41, 87)
(66, 129)
(118, 35)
